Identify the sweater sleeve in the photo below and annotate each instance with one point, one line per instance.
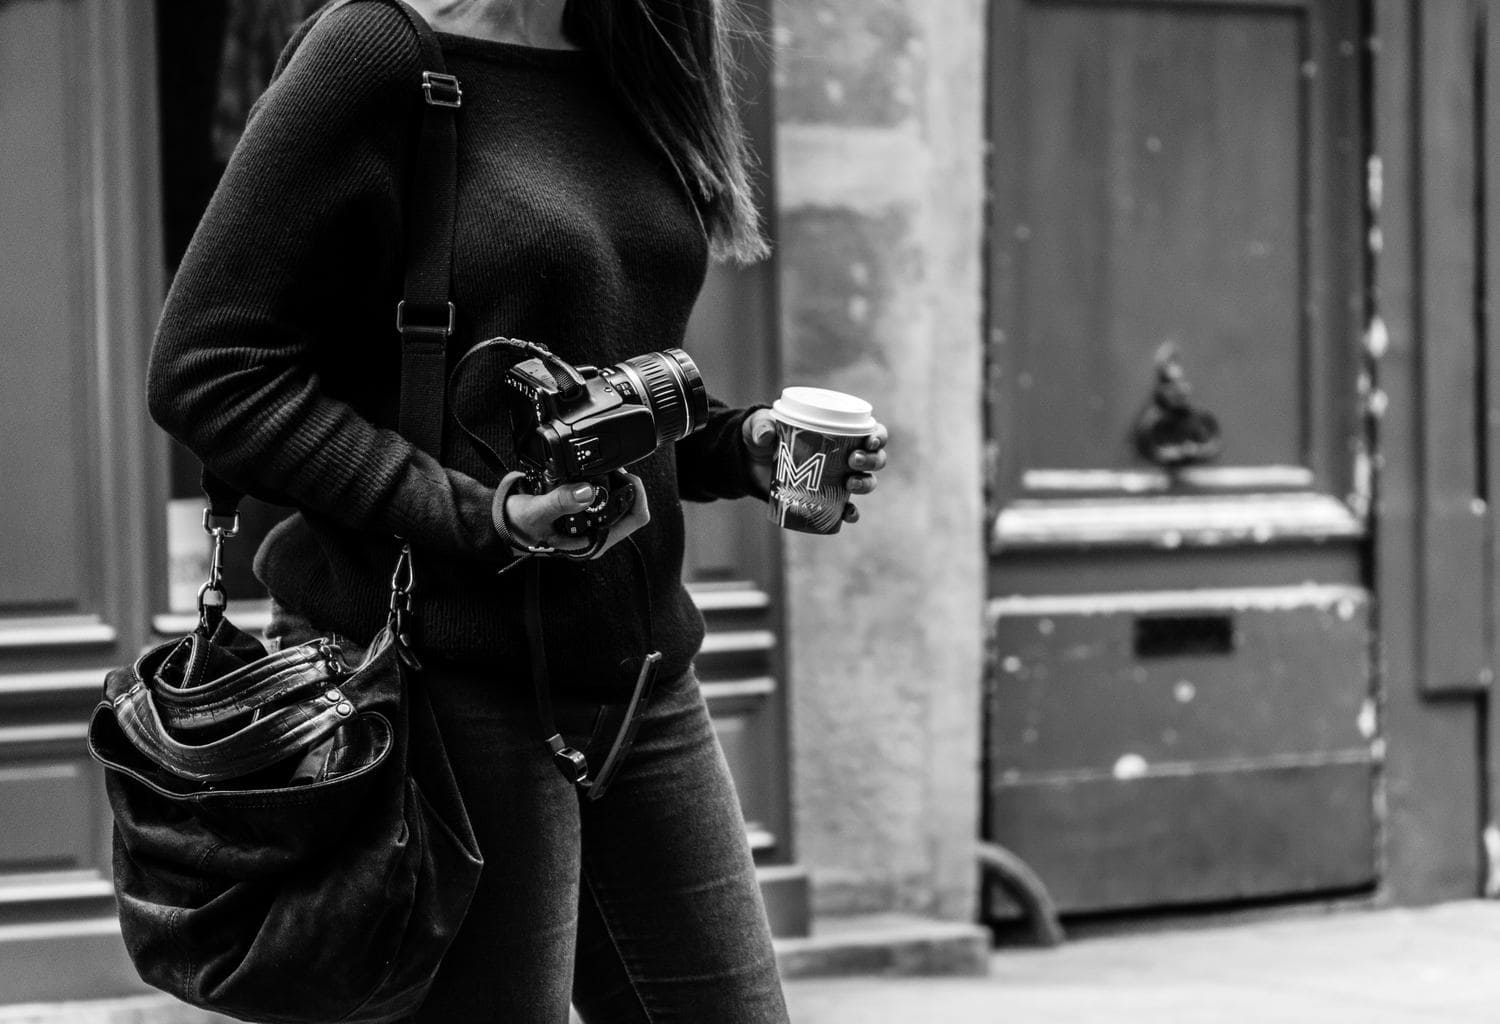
(233, 372)
(713, 462)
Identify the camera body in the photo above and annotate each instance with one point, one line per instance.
(585, 425)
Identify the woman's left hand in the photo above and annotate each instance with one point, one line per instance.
(865, 460)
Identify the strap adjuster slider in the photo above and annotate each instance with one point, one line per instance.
(402, 326)
(442, 90)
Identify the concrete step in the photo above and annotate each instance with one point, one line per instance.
(885, 944)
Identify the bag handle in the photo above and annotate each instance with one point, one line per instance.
(425, 315)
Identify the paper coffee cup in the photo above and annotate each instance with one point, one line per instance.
(816, 429)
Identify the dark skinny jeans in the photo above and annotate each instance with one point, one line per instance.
(640, 908)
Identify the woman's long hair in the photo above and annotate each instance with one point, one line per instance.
(672, 64)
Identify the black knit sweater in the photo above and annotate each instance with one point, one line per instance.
(277, 359)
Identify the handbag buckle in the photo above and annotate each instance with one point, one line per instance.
(442, 90)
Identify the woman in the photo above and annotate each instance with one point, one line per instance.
(600, 164)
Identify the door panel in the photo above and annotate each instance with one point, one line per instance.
(1162, 201)
(1173, 746)
(54, 603)
(44, 412)
(1199, 837)
(1196, 675)
(50, 789)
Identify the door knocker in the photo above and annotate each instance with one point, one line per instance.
(1172, 431)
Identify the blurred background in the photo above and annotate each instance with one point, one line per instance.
(1179, 596)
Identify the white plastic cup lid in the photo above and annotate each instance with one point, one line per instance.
(832, 412)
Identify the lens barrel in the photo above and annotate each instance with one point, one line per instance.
(670, 385)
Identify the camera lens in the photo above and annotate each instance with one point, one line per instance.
(672, 388)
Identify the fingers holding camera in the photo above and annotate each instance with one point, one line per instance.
(527, 518)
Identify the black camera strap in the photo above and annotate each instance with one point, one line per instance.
(465, 366)
(576, 765)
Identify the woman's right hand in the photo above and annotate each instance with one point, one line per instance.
(530, 517)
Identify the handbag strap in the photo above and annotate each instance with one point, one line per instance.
(425, 315)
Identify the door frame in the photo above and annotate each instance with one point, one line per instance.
(59, 937)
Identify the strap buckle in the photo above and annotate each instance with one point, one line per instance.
(442, 90)
(570, 761)
(402, 326)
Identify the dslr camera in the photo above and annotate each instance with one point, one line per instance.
(583, 424)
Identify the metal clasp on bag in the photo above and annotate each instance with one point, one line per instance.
(403, 583)
(212, 600)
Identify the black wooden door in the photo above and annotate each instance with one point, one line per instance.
(1180, 703)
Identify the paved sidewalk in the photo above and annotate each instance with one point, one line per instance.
(1439, 965)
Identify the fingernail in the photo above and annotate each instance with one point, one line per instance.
(583, 492)
(876, 443)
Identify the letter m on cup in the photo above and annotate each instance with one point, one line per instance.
(807, 475)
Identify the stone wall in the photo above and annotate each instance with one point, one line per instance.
(880, 136)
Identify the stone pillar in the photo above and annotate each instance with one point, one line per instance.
(880, 141)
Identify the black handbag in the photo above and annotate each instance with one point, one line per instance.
(310, 860)
(290, 844)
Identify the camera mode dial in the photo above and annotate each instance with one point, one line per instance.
(614, 497)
